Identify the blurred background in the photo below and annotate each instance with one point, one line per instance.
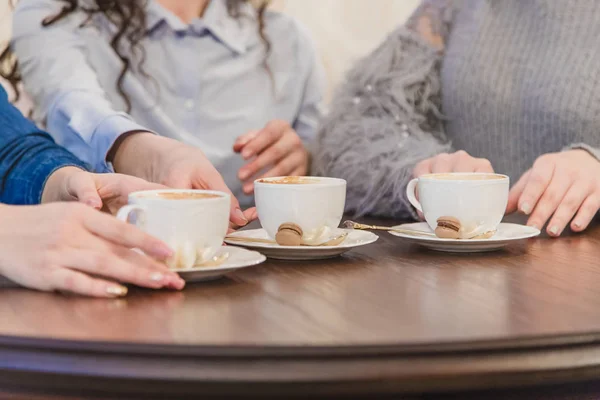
(344, 30)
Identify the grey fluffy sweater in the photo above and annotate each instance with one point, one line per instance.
(517, 79)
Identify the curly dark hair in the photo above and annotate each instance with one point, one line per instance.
(129, 16)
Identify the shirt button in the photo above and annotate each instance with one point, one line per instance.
(189, 104)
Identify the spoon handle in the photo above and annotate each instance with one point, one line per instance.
(356, 225)
(331, 242)
(249, 240)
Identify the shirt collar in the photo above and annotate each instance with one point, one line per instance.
(234, 33)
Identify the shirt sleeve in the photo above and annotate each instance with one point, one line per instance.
(65, 88)
(28, 156)
(383, 120)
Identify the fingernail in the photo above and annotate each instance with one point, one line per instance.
(93, 203)
(533, 225)
(157, 277)
(526, 208)
(117, 291)
(247, 189)
(239, 214)
(244, 175)
(577, 225)
(554, 231)
(164, 251)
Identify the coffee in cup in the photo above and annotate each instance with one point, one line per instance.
(314, 204)
(476, 201)
(192, 222)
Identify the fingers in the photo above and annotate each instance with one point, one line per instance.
(463, 162)
(244, 140)
(81, 186)
(550, 199)
(265, 138)
(251, 214)
(539, 179)
(126, 235)
(516, 192)
(565, 212)
(272, 155)
(442, 163)
(64, 279)
(586, 213)
(423, 168)
(122, 265)
(294, 161)
(483, 165)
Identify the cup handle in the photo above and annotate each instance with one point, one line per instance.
(410, 193)
(126, 211)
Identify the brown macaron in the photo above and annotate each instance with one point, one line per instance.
(289, 234)
(448, 228)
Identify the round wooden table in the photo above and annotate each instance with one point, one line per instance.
(387, 319)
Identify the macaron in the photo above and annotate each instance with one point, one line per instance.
(289, 234)
(448, 228)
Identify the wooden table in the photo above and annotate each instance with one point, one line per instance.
(386, 319)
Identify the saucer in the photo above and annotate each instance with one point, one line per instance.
(505, 235)
(238, 258)
(299, 253)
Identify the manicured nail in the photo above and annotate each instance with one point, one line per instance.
(157, 277)
(116, 291)
(239, 214)
(577, 225)
(526, 208)
(554, 231)
(247, 189)
(533, 225)
(244, 175)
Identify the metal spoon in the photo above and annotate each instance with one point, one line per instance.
(337, 240)
(356, 225)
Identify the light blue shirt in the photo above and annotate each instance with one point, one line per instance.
(208, 82)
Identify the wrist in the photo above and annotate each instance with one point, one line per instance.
(132, 154)
(54, 189)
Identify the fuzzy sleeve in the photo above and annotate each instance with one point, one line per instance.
(386, 118)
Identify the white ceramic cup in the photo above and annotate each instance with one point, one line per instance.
(192, 222)
(477, 200)
(316, 205)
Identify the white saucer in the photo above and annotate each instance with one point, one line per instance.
(238, 258)
(297, 253)
(506, 234)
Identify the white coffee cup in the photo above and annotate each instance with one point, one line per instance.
(192, 222)
(477, 200)
(315, 204)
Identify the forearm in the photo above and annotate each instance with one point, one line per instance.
(86, 125)
(384, 120)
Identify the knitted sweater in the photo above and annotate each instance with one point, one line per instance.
(516, 79)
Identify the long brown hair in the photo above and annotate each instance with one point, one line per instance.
(129, 16)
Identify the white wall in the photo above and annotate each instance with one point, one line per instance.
(345, 30)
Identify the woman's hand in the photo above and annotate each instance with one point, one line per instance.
(277, 147)
(72, 247)
(108, 192)
(174, 164)
(460, 161)
(564, 186)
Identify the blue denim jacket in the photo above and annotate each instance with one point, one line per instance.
(28, 156)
